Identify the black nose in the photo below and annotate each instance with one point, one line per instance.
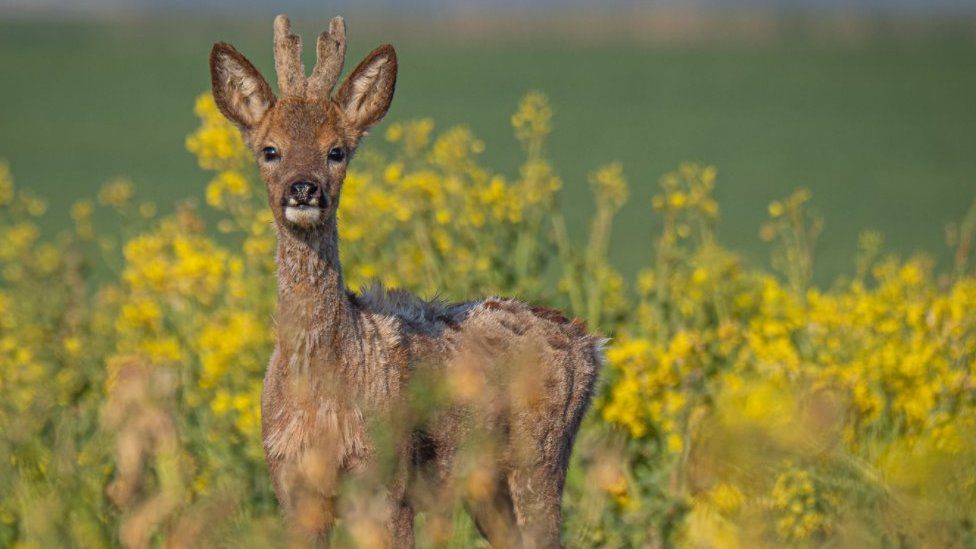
(303, 191)
(303, 188)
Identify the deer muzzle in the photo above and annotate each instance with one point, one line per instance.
(304, 203)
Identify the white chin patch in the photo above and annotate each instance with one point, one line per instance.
(305, 216)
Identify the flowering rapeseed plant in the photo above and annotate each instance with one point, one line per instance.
(738, 408)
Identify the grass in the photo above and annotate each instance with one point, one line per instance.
(881, 132)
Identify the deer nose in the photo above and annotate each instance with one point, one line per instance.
(303, 191)
(303, 188)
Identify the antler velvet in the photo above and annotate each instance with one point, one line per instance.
(331, 56)
(331, 53)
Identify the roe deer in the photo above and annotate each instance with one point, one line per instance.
(343, 361)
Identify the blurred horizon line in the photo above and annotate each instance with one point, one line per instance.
(661, 23)
(99, 9)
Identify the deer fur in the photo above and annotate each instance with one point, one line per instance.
(344, 362)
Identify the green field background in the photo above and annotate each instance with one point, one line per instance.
(881, 128)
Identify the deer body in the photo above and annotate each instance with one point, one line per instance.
(345, 362)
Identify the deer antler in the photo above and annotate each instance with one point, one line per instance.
(331, 55)
(288, 58)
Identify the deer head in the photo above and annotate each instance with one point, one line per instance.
(304, 139)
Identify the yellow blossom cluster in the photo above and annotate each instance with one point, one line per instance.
(216, 143)
(437, 215)
(117, 193)
(737, 408)
(801, 508)
(859, 372)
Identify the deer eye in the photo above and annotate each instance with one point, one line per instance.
(337, 154)
(270, 153)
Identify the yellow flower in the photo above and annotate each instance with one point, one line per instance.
(727, 498)
(35, 206)
(166, 349)
(6, 183)
(216, 143)
(533, 119)
(393, 172)
(416, 135)
(116, 193)
(645, 281)
(394, 132)
(16, 240)
(221, 403)
(147, 210)
(81, 211)
(72, 345)
(141, 314)
(228, 183)
(443, 216)
(677, 199)
(609, 185)
(675, 443)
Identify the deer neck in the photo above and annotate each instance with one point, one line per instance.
(314, 309)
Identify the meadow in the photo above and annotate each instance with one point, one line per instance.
(742, 404)
(877, 125)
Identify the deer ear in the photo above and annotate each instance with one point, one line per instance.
(239, 90)
(366, 94)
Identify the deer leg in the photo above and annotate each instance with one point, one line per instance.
(401, 527)
(401, 524)
(537, 496)
(306, 489)
(494, 515)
